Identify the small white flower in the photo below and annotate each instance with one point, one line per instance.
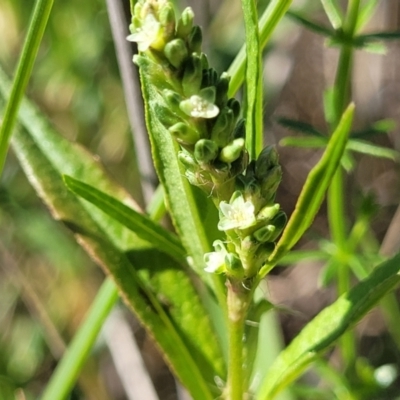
(215, 260)
(199, 107)
(237, 215)
(147, 34)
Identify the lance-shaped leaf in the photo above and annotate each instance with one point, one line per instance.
(314, 189)
(328, 326)
(143, 226)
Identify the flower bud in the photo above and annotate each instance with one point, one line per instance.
(232, 151)
(184, 134)
(240, 129)
(205, 151)
(166, 117)
(204, 61)
(185, 23)
(176, 52)
(267, 160)
(187, 160)
(279, 221)
(269, 183)
(166, 17)
(220, 132)
(234, 105)
(265, 233)
(194, 40)
(210, 77)
(268, 212)
(234, 266)
(192, 75)
(222, 87)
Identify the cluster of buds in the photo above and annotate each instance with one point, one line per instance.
(251, 220)
(194, 107)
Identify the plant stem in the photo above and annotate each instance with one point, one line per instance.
(238, 303)
(336, 212)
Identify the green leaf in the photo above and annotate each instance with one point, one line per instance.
(272, 15)
(143, 226)
(363, 147)
(46, 156)
(381, 126)
(333, 12)
(308, 142)
(394, 35)
(299, 126)
(254, 92)
(312, 26)
(328, 326)
(313, 190)
(365, 13)
(36, 29)
(179, 195)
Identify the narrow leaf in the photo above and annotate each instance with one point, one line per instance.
(371, 149)
(308, 142)
(299, 126)
(254, 93)
(312, 26)
(365, 13)
(333, 12)
(36, 29)
(328, 326)
(314, 189)
(272, 15)
(143, 226)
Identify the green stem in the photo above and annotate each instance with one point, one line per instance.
(37, 26)
(336, 212)
(238, 303)
(72, 362)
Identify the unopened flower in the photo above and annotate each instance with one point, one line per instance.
(148, 34)
(238, 214)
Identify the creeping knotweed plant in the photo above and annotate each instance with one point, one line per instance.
(194, 107)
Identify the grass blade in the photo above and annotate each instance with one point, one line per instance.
(36, 29)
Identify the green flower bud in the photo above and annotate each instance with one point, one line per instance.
(222, 87)
(166, 17)
(184, 134)
(187, 160)
(176, 52)
(165, 115)
(269, 183)
(233, 265)
(240, 129)
(192, 76)
(232, 151)
(205, 151)
(185, 23)
(234, 105)
(173, 101)
(210, 77)
(268, 212)
(194, 40)
(267, 160)
(221, 131)
(265, 234)
(279, 222)
(204, 61)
